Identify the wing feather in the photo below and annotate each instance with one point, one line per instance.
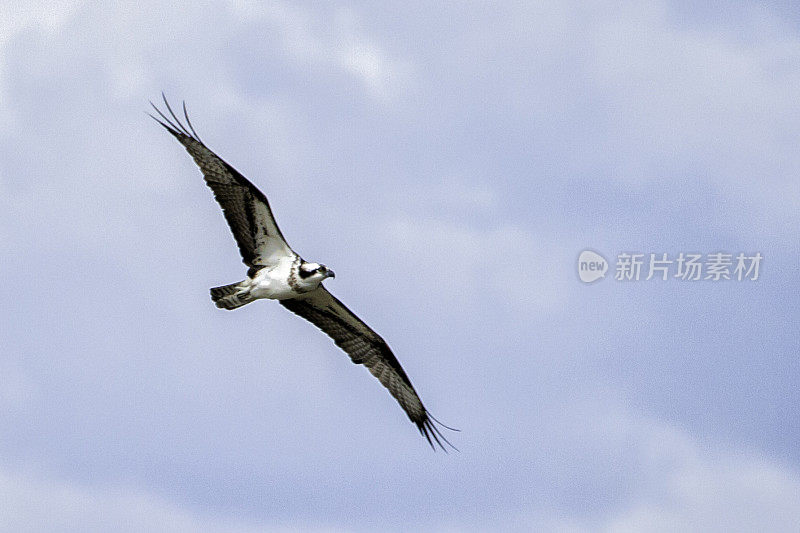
(366, 347)
(246, 208)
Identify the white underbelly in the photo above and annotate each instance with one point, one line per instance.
(272, 289)
(273, 283)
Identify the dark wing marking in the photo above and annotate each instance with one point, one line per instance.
(245, 207)
(366, 347)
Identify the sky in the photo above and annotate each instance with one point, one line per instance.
(450, 162)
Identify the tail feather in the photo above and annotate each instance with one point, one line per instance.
(230, 296)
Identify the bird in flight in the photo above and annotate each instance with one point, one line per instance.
(276, 272)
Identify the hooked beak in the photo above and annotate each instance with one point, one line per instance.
(330, 274)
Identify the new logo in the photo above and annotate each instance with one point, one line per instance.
(591, 266)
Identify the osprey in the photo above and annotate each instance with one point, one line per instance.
(276, 272)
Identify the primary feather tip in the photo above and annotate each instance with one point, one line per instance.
(429, 429)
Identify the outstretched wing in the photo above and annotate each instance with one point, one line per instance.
(365, 347)
(246, 208)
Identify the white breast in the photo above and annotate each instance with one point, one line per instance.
(273, 282)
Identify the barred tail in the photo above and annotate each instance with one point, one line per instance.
(230, 296)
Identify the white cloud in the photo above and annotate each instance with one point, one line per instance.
(641, 94)
(657, 476)
(683, 484)
(33, 503)
(384, 76)
(721, 101)
(498, 263)
(708, 491)
(380, 74)
(48, 16)
(16, 17)
(336, 41)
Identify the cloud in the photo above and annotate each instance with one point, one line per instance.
(457, 259)
(336, 41)
(35, 503)
(702, 489)
(721, 99)
(631, 96)
(628, 472)
(16, 18)
(677, 483)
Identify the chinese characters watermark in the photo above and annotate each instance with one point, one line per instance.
(633, 266)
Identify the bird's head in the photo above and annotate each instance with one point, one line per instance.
(312, 274)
